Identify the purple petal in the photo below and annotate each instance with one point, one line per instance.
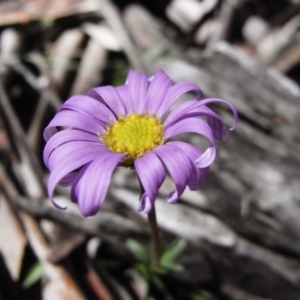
(231, 106)
(216, 124)
(145, 205)
(213, 119)
(189, 125)
(68, 179)
(196, 179)
(207, 158)
(73, 119)
(179, 167)
(198, 174)
(138, 85)
(66, 159)
(90, 106)
(194, 108)
(123, 91)
(151, 174)
(159, 85)
(73, 195)
(180, 111)
(198, 126)
(65, 150)
(174, 93)
(92, 182)
(65, 136)
(110, 96)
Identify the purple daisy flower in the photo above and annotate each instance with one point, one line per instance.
(130, 126)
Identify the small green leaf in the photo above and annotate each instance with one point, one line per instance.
(173, 251)
(144, 270)
(171, 267)
(137, 250)
(34, 275)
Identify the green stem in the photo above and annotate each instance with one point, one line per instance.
(155, 237)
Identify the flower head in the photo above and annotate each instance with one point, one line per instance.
(130, 126)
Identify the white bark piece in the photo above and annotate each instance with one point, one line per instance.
(92, 247)
(92, 62)
(64, 51)
(9, 42)
(103, 35)
(145, 29)
(290, 57)
(205, 31)
(186, 13)
(278, 39)
(138, 283)
(29, 178)
(13, 240)
(254, 30)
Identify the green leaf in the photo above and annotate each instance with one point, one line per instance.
(144, 270)
(173, 251)
(170, 267)
(167, 263)
(138, 251)
(34, 275)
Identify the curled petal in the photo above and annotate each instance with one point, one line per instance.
(89, 106)
(214, 121)
(75, 120)
(198, 174)
(151, 174)
(211, 100)
(179, 112)
(137, 85)
(198, 108)
(174, 93)
(207, 158)
(65, 136)
(68, 179)
(92, 182)
(158, 88)
(190, 125)
(179, 167)
(198, 126)
(67, 161)
(110, 96)
(193, 108)
(145, 205)
(197, 178)
(216, 124)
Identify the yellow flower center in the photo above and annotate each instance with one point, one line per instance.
(134, 134)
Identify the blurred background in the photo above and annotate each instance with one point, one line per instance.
(239, 235)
